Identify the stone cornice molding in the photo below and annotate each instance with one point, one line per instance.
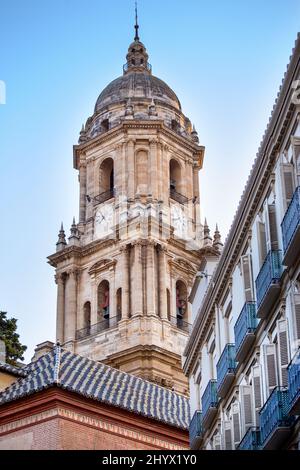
(78, 252)
(102, 265)
(197, 150)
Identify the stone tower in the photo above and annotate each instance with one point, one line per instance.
(124, 277)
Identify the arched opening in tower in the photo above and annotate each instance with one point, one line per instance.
(106, 176)
(87, 316)
(175, 177)
(103, 301)
(181, 303)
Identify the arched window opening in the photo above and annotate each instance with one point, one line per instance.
(103, 301)
(175, 125)
(175, 177)
(142, 172)
(133, 61)
(106, 180)
(105, 125)
(168, 305)
(119, 304)
(87, 316)
(181, 303)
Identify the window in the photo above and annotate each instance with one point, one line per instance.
(87, 315)
(103, 301)
(106, 177)
(247, 277)
(262, 241)
(181, 303)
(175, 176)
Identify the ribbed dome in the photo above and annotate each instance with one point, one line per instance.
(137, 84)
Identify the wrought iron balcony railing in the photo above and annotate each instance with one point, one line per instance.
(209, 398)
(178, 197)
(294, 384)
(182, 325)
(195, 429)
(105, 196)
(291, 219)
(98, 327)
(226, 364)
(245, 325)
(269, 274)
(274, 414)
(251, 440)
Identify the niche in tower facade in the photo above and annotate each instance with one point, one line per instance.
(141, 168)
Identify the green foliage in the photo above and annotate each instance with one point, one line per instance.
(14, 349)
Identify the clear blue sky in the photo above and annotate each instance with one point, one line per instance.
(224, 59)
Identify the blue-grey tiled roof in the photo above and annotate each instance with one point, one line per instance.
(19, 372)
(102, 383)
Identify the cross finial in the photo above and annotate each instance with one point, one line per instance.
(136, 27)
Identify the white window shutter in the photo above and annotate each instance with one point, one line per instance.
(288, 181)
(283, 350)
(273, 227)
(217, 442)
(262, 241)
(246, 407)
(227, 436)
(236, 427)
(297, 316)
(270, 366)
(256, 389)
(247, 277)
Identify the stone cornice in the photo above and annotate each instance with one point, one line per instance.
(197, 150)
(78, 252)
(254, 190)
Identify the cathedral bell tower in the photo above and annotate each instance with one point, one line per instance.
(124, 277)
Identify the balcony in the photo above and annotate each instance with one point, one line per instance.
(195, 430)
(290, 227)
(103, 197)
(294, 385)
(97, 328)
(274, 419)
(182, 325)
(251, 440)
(209, 402)
(268, 283)
(244, 330)
(226, 369)
(178, 197)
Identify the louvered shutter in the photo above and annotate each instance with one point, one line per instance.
(288, 181)
(247, 277)
(297, 316)
(256, 388)
(246, 407)
(236, 427)
(217, 442)
(227, 435)
(283, 351)
(270, 365)
(273, 227)
(262, 241)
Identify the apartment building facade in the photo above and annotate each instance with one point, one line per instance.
(243, 357)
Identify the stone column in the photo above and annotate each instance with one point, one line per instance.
(125, 282)
(71, 305)
(130, 169)
(151, 289)
(60, 309)
(173, 312)
(94, 302)
(82, 179)
(197, 199)
(162, 284)
(153, 169)
(137, 284)
(112, 299)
